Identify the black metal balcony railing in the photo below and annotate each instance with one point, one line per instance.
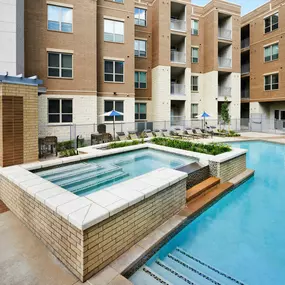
(225, 62)
(225, 91)
(245, 68)
(245, 43)
(178, 25)
(245, 94)
(177, 89)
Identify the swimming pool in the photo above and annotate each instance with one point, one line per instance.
(239, 240)
(86, 177)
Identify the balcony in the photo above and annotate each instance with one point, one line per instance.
(225, 34)
(178, 56)
(245, 94)
(177, 89)
(225, 91)
(245, 43)
(225, 62)
(178, 25)
(245, 68)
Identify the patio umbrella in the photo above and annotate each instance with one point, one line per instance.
(203, 116)
(113, 114)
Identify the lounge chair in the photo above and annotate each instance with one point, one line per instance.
(148, 133)
(192, 134)
(165, 133)
(157, 133)
(122, 136)
(216, 133)
(199, 132)
(133, 135)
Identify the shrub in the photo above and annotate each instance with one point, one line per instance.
(61, 146)
(67, 152)
(123, 144)
(212, 148)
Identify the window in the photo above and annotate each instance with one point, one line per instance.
(140, 17)
(271, 52)
(60, 18)
(118, 1)
(271, 23)
(114, 105)
(140, 111)
(59, 110)
(113, 31)
(271, 82)
(195, 54)
(140, 48)
(194, 111)
(194, 27)
(140, 79)
(194, 83)
(113, 71)
(60, 65)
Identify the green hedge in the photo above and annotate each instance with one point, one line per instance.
(212, 148)
(126, 143)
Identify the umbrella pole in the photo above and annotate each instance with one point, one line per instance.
(113, 127)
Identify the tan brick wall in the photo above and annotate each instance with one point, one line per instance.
(228, 169)
(30, 117)
(85, 253)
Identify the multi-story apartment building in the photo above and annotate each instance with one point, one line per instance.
(262, 74)
(155, 61)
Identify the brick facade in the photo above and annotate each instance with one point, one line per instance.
(19, 124)
(86, 252)
(228, 169)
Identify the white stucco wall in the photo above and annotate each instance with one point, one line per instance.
(84, 117)
(11, 36)
(210, 94)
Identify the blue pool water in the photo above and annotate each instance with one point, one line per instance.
(243, 235)
(83, 178)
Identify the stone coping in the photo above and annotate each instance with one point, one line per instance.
(85, 212)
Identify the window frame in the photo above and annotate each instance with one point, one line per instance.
(192, 83)
(117, 118)
(140, 40)
(145, 10)
(192, 29)
(139, 112)
(114, 21)
(60, 22)
(271, 84)
(192, 114)
(192, 48)
(139, 82)
(60, 68)
(60, 114)
(271, 52)
(114, 71)
(271, 25)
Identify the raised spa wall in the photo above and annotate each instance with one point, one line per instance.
(88, 233)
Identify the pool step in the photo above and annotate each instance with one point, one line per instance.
(201, 188)
(78, 171)
(170, 274)
(146, 276)
(105, 180)
(186, 260)
(86, 177)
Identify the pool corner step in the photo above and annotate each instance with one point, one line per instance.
(201, 188)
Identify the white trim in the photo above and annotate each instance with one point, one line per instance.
(59, 50)
(270, 44)
(59, 4)
(113, 58)
(114, 18)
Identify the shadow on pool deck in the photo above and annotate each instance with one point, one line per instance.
(24, 260)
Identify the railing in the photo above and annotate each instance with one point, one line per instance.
(245, 43)
(178, 56)
(177, 89)
(245, 94)
(225, 91)
(178, 25)
(225, 34)
(225, 62)
(245, 68)
(177, 120)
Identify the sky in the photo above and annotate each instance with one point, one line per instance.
(247, 5)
